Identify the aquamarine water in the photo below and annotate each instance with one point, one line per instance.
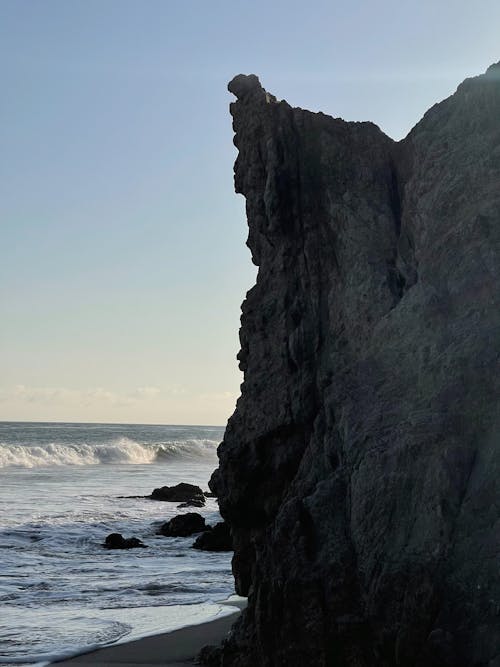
(60, 488)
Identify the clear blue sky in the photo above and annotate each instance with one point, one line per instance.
(123, 246)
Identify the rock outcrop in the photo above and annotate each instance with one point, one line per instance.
(117, 541)
(183, 525)
(188, 494)
(216, 538)
(360, 471)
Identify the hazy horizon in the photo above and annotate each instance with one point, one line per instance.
(124, 262)
(59, 421)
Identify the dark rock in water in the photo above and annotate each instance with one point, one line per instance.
(183, 525)
(181, 493)
(209, 494)
(192, 503)
(217, 538)
(360, 471)
(117, 541)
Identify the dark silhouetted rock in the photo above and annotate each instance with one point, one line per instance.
(210, 656)
(360, 471)
(181, 493)
(209, 494)
(183, 525)
(217, 538)
(117, 541)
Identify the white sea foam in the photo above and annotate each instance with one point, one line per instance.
(164, 620)
(121, 450)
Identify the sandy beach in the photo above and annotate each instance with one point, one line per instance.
(171, 649)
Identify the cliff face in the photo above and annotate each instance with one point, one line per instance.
(360, 471)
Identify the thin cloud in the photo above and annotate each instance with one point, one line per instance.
(218, 396)
(78, 397)
(147, 392)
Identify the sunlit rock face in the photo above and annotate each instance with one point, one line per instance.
(360, 471)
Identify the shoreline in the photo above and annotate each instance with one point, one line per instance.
(67, 596)
(170, 649)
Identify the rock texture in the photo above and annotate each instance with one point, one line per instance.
(360, 471)
(183, 525)
(216, 538)
(190, 494)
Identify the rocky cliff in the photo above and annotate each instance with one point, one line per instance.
(360, 471)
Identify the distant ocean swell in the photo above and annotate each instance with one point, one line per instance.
(121, 450)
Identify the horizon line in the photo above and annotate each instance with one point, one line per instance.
(32, 421)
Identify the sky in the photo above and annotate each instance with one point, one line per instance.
(123, 258)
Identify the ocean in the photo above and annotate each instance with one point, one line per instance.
(61, 592)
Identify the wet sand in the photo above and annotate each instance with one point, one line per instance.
(171, 649)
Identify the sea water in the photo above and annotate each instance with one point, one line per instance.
(61, 494)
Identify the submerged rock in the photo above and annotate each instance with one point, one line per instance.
(217, 538)
(183, 525)
(360, 470)
(180, 493)
(117, 541)
(192, 503)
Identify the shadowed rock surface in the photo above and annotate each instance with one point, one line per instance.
(183, 525)
(180, 493)
(359, 472)
(216, 538)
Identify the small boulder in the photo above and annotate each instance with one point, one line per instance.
(183, 525)
(209, 494)
(180, 493)
(117, 541)
(217, 538)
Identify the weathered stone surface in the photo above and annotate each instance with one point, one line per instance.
(183, 525)
(117, 541)
(360, 471)
(180, 493)
(216, 538)
(210, 656)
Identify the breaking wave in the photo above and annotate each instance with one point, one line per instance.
(119, 451)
